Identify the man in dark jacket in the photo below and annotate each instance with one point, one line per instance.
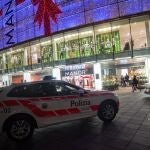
(134, 83)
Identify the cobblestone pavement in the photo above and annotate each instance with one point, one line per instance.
(129, 131)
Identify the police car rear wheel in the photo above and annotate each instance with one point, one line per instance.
(107, 111)
(20, 129)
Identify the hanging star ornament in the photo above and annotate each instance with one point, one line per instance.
(47, 11)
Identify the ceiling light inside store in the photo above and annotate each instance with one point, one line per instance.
(108, 28)
(45, 43)
(86, 32)
(58, 39)
(71, 35)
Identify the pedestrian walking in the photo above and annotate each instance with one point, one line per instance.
(127, 79)
(134, 83)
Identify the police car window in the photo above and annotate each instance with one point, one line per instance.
(1, 90)
(33, 90)
(20, 91)
(37, 90)
(65, 89)
(50, 89)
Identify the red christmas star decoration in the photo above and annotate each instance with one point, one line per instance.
(47, 10)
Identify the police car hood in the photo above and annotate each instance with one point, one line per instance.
(102, 92)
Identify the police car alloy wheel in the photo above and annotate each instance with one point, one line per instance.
(20, 129)
(107, 111)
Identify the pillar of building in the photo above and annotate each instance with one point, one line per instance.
(147, 68)
(147, 33)
(98, 76)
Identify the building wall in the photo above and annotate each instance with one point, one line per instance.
(17, 21)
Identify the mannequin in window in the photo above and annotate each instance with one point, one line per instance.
(87, 46)
(102, 46)
(108, 44)
(92, 49)
(50, 54)
(62, 51)
(126, 46)
(82, 50)
(113, 44)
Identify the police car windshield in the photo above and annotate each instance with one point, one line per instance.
(1, 89)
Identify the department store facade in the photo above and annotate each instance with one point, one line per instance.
(91, 54)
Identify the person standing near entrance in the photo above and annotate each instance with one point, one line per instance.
(134, 83)
(122, 81)
(127, 79)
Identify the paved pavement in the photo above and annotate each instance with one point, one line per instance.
(129, 131)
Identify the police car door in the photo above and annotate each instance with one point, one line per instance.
(73, 103)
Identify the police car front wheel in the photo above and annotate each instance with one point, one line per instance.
(20, 128)
(107, 111)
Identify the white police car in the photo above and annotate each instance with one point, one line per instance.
(27, 106)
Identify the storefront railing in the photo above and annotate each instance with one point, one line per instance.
(98, 57)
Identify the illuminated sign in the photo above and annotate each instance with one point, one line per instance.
(9, 22)
(22, 20)
(76, 70)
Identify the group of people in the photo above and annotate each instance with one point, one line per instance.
(125, 82)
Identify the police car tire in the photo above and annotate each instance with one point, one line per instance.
(102, 108)
(12, 121)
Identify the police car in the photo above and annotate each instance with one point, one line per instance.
(26, 106)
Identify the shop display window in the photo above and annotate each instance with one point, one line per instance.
(148, 39)
(46, 51)
(27, 56)
(120, 36)
(72, 45)
(8, 63)
(1, 61)
(86, 41)
(138, 32)
(59, 46)
(103, 39)
(17, 58)
(36, 53)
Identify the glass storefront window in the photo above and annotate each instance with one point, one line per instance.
(120, 36)
(148, 38)
(86, 40)
(27, 56)
(8, 60)
(59, 47)
(17, 57)
(72, 44)
(1, 62)
(103, 38)
(36, 52)
(138, 32)
(46, 50)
